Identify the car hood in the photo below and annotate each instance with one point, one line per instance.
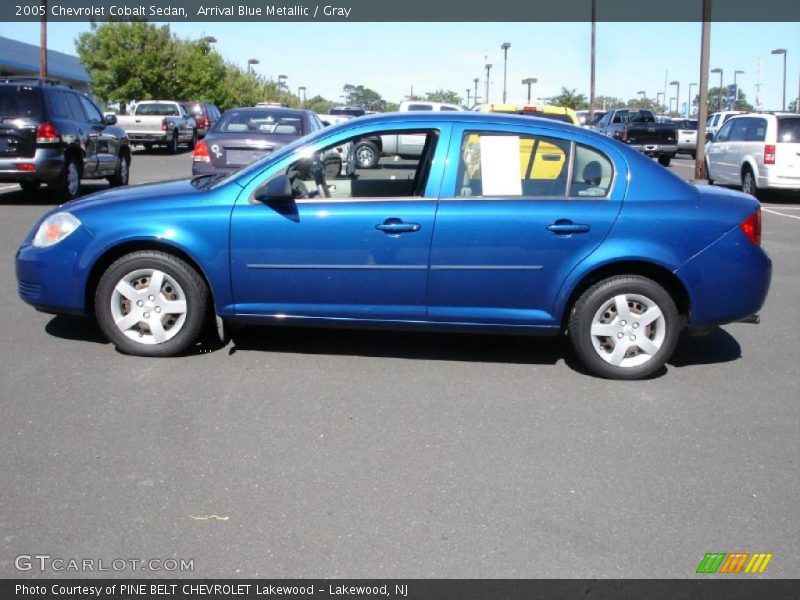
(149, 192)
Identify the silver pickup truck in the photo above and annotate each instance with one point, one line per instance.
(159, 123)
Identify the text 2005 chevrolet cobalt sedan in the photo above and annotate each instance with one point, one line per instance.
(499, 223)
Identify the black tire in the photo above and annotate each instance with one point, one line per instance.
(192, 285)
(749, 185)
(30, 186)
(148, 147)
(193, 141)
(664, 159)
(663, 332)
(68, 184)
(122, 173)
(366, 154)
(172, 147)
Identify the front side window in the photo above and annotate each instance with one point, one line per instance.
(328, 174)
(738, 130)
(503, 165)
(724, 132)
(93, 115)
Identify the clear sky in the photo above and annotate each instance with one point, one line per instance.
(391, 57)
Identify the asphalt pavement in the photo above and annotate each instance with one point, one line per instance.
(326, 453)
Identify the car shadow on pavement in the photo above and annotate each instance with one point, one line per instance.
(44, 197)
(719, 346)
(71, 327)
(401, 344)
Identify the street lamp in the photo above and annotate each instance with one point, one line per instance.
(469, 91)
(302, 88)
(504, 47)
(689, 105)
(659, 101)
(677, 95)
(644, 96)
(282, 82)
(720, 86)
(476, 80)
(783, 51)
(488, 68)
(529, 81)
(209, 39)
(250, 63)
(736, 88)
(670, 104)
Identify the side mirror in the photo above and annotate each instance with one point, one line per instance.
(709, 136)
(277, 190)
(110, 119)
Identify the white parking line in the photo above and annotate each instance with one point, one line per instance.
(780, 207)
(775, 212)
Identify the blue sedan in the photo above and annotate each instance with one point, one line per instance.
(495, 224)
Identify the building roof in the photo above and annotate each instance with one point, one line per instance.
(19, 58)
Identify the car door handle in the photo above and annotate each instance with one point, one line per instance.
(394, 226)
(565, 226)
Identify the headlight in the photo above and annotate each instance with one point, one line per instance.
(54, 229)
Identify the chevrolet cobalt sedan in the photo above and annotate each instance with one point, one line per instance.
(502, 224)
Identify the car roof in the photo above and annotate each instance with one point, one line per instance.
(277, 109)
(462, 117)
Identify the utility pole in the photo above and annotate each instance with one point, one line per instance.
(468, 93)
(505, 46)
(702, 108)
(488, 68)
(475, 81)
(591, 71)
(43, 42)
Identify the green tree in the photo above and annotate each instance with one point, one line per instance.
(319, 105)
(358, 95)
(608, 102)
(714, 100)
(570, 99)
(446, 96)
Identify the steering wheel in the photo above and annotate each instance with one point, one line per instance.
(318, 173)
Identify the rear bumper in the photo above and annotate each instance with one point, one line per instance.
(655, 149)
(201, 168)
(48, 164)
(153, 137)
(776, 182)
(728, 281)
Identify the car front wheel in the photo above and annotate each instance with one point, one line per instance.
(150, 303)
(367, 155)
(625, 327)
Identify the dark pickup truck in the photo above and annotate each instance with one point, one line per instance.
(638, 129)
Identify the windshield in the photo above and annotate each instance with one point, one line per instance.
(20, 102)
(275, 122)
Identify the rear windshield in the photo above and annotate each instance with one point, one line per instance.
(789, 130)
(260, 121)
(195, 109)
(351, 112)
(20, 102)
(641, 116)
(686, 124)
(159, 110)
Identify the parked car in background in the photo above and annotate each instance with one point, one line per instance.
(329, 120)
(204, 114)
(543, 111)
(414, 105)
(615, 252)
(686, 136)
(718, 119)
(160, 123)
(52, 134)
(348, 111)
(638, 129)
(243, 135)
(757, 151)
(598, 116)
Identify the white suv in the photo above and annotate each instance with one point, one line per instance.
(718, 119)
(758, 151)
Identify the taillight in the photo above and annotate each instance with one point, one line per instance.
(47, 133)
(203, 123)
(164, 124)
(769, 154)
(751, 227)
(201, 153)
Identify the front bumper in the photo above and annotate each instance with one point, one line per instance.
(48, 164)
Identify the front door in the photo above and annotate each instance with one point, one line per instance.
(351, 248)
(522, 211)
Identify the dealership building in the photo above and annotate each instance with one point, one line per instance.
(19, 58)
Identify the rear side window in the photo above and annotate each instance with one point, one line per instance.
(592, 173)
(420, 107)
(20, 102)
(74, 107)
(58, 105)
(789, 130)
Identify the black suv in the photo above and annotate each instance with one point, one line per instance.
(53, 134)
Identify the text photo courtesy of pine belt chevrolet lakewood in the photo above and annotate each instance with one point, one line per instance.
(504, 223)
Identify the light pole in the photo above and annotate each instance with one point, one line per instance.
(736, 88)
(690, 104)
(488, 68)
(43, 42)
(529, 81)
(592, 65)
(469, 91)
(504, 47)
(476, 81)
(207, 41)
(658, 98)
(677, 85)
(783, 51)
(302, 88)
(250, 63)
(644, 97)
(720, 86)
(282, 82)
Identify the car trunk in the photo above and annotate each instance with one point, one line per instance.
(234, 150)
(20, 112)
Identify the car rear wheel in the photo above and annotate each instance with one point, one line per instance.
(749, 182)
(664, 159)
(150, 303)
(193, 141)
(68, 183)
(625, 327)
(122, 174)
(367, 154)
(172, 147)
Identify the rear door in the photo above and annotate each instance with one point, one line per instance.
(518, 211)
(719, 167)
(105, 143)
